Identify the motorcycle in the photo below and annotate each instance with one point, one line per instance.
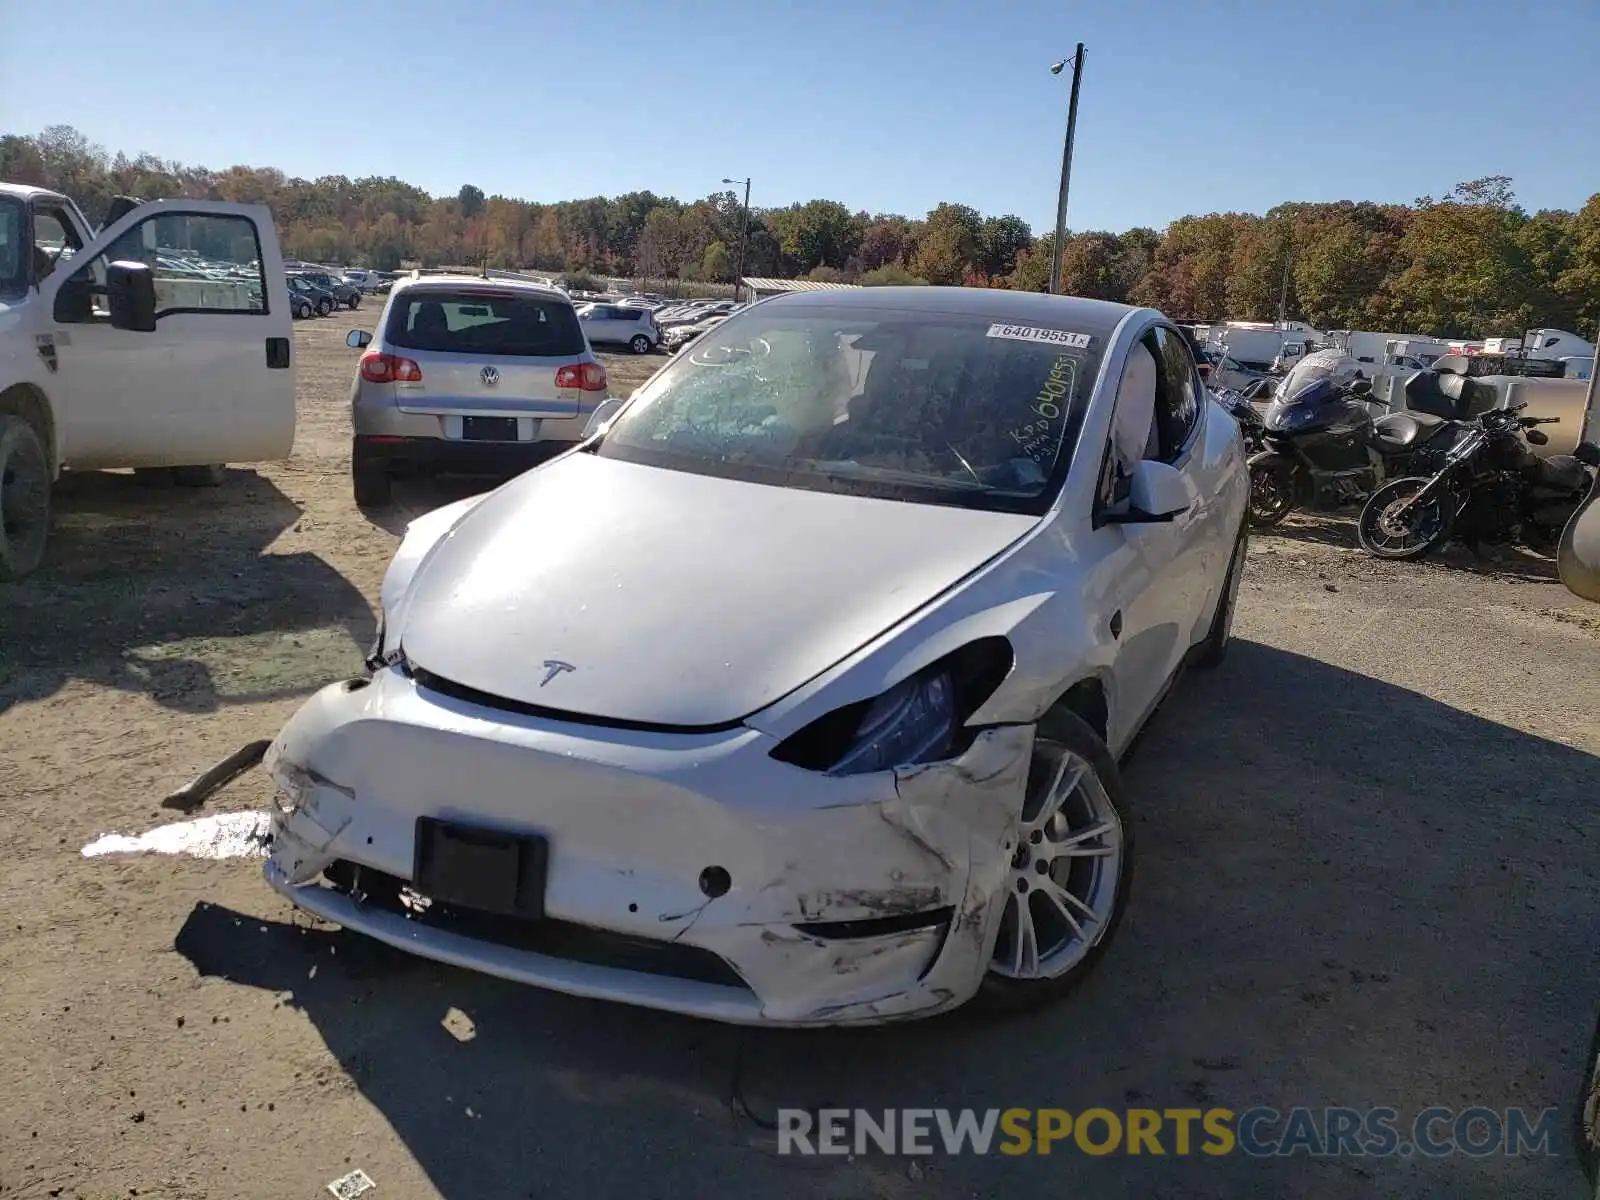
(1251, 427)
(1490, 488)
(1324, 448)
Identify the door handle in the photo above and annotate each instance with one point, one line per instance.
(1116, 624)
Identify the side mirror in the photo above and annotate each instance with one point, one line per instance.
(1536, 437)
(602, 417)
(1157, 492)
(131, 296)
(358, 339)
(1361, 387)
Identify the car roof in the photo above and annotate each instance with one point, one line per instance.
(1012, 307)
(454, 283)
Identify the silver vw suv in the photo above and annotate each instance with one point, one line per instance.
(471, 376)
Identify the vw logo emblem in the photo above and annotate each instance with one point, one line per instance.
(490, 376)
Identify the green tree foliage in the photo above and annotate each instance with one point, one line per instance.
(1472, 263)
(471, 201)
(890, 275)
(717, 264)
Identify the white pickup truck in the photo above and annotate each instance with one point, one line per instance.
(161, 341)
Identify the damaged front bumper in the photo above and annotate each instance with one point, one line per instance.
(850, 900)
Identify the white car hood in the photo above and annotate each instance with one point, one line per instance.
(675, 599)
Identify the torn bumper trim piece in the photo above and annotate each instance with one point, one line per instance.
(848, 900)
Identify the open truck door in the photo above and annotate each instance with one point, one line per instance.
(169, 342)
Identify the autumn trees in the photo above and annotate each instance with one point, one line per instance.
(1470, 263)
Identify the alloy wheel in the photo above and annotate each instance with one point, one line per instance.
(1062, 886)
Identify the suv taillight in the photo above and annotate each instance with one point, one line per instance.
(588, 377)
(389, 368)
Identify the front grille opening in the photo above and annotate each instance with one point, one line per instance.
(470, 695)
(871, 927)
(547, 936)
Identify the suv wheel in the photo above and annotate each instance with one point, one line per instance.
(371, 482)
(354, 301)
(639, 344)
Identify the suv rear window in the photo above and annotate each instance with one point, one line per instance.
(468, 322)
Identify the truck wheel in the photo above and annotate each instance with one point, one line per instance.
(24, 497)
(209, 475)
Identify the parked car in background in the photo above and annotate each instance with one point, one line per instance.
(468, 375)
(679, 336)
(343, 292)
(615, 324)
(805, 681)
(320, 299)
(366, 280)
(699, 312)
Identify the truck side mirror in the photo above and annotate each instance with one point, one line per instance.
(131, 296)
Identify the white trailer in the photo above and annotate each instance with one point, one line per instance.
(1265, 346)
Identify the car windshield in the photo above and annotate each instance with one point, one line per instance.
(13, 260)
(933, 407)
(482, 322)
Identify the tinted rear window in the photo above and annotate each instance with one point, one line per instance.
(485, 323)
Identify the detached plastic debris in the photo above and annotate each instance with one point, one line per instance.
(199, 789)
(347, 1187)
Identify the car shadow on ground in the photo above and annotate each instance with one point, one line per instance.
(1347, 894)
(171, 592)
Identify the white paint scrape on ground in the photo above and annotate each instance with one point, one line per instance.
(227, 835)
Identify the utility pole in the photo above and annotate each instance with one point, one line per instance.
(744, 229)
(1066, 166)
(1283, 291)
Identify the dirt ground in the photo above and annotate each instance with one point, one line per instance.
(1367, 876)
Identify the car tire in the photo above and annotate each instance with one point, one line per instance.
(1214, 649)
(324, 307)
(355, 301)
(207, 475)
(371, 482)
(302, 310)
(639, 344)
(24, 497)
(1063, 739)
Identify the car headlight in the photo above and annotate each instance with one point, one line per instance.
(918, 720)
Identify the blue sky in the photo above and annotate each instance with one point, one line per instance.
(886, 105)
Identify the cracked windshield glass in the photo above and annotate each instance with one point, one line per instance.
(944, 410)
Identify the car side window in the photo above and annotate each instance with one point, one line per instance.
(1177, 395)
(202, 262)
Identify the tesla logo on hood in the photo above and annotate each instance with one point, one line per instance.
(554, 667)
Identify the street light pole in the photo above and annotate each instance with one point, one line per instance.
(1066, 166)
(744, 228)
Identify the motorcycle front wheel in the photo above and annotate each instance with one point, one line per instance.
(1394, 528)
(1272, 490)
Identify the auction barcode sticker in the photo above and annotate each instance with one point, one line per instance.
(1056, 337)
